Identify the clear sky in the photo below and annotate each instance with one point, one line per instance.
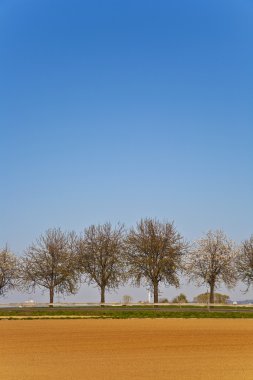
(117, 110)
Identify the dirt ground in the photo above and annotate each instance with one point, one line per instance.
(126, 349)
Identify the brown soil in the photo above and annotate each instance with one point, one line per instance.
(126, 349)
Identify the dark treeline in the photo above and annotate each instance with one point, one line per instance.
(150, 254)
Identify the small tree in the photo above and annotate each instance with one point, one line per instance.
(154, 253)
(244, 262)
(101, 257)
(51, 263)
(211, 261)
(8, 271)
(181, 298)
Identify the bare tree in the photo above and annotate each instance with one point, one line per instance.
(8, 271)
(51, 263)
(101, 252)
(244, 262)
(211, 261)
(154, 254)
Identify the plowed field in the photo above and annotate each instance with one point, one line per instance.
(154, 349)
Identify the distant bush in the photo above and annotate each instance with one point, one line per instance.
(181, 298)
(163, 300)
(127, 299)
(218, 298)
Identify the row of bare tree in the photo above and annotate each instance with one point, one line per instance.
(152, 253)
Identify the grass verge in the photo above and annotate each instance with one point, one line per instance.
(119, 313)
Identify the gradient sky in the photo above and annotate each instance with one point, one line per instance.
(117, 110)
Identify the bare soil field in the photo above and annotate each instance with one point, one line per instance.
(126, 349)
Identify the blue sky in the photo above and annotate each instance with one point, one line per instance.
(117, 110)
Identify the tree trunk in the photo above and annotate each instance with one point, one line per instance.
(211, 297)
(155, 290)
(51, 291)
(102, 294)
